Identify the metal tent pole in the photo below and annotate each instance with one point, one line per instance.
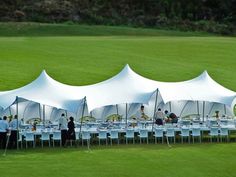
(170, 106)
(126, 115)
(117, 111)
(17, 123)
(44, 116)
(155, 109)
(81, 119)
(225, 109)
(183, 109)
(198, 112)
(203, 111)
(40, 113)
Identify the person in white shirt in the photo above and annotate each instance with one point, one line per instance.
(140, 114)
(13, 138)
(63, 127)
(159, 117)
(3, 132)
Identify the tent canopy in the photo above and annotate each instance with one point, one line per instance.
(125, 87)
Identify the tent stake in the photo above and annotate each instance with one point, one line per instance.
(155, 109)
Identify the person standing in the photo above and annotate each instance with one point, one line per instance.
(13, 137)
(71, 130)
(4, 126)
(63, 128)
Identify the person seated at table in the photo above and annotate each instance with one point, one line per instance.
(63, 128)
(71, 130)
(167, 117)
(159, 117)
(140, 114)
(174, 118)
(217, 115)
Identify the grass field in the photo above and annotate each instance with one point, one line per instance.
(206, 160)
(80, 55)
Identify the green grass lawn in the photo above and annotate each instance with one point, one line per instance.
(207, 160)
(80, 55)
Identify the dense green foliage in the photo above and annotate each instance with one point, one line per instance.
(208, 160)
(215, 16)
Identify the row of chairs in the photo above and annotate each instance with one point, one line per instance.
(143, 135)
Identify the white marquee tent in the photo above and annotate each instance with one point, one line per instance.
(126, 90)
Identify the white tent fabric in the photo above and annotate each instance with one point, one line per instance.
(45, 90)
(127, 87)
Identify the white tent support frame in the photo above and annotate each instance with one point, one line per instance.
(155, 110)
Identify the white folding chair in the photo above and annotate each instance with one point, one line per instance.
(224, 132)
(158, 133)
(29, 137)
(129, 134)
(196, 132)
(185, 134)
(56, 136)
(214, 133)
(45, 136)
(143, 134)
(114, 134)
(170, 133)
(86, 136)
(102, 135)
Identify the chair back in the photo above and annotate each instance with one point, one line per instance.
(159, 132)
(213, 123)
(77, 135)
(114, 134)
(86, 135)
(196, 131)
(185, 131)
(29, 136)
(56, 135)
(102, 134)
(170, 132)
(45, 135)
(224, 131)
(214, 131)
(130, 133)
(143, 133)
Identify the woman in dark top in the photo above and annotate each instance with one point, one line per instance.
(71, 129)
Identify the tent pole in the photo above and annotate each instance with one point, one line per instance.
(81, 119)
(17, 123)
(155, 110)
(117, 111)
(209, 113)
(203, 111)
(170, 105)
(10, 110)
(40, 113)
(183, 109)
(44, 116)
(198, 112)
(225, 110)
(126, 115)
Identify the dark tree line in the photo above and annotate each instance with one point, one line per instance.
(208, 15)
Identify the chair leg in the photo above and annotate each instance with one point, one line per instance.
(193, 139)
(99, 142)
(42, 143)
(126, 140)
(147, 140)
(133, 140)
(182, 139)
(140, 140)
(26, 144)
